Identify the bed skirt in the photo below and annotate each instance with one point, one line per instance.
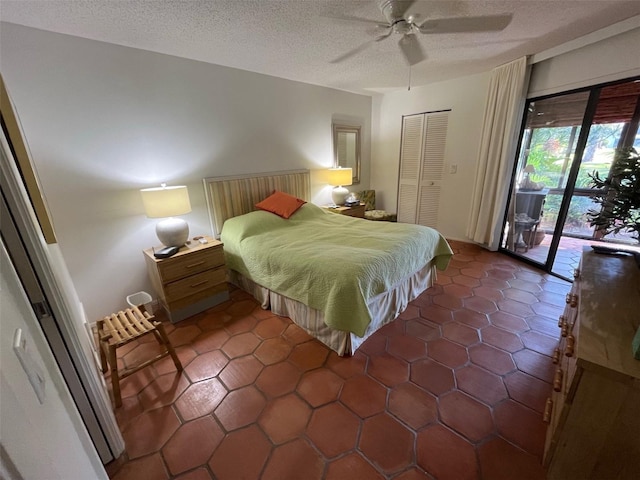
(384, 308)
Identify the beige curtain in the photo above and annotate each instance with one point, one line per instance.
(503, 112)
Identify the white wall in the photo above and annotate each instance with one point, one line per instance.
(465, 97)
(44, 441)
(614, 58)
(103, 121)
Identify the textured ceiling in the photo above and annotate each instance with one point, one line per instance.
(298, 39)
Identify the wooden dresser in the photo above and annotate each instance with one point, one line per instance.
(191, 281)
(594, 410)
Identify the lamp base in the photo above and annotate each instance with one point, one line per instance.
(172, 232)
(338, 195)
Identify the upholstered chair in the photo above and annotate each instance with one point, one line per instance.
(368, 197)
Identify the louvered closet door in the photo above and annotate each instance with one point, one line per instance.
(434, 141)
(421, 167)
(410, 155)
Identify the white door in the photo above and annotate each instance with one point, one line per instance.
(421, 167)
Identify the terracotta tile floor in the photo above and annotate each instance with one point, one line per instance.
(452, 389)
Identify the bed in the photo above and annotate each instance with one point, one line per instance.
(339, 278)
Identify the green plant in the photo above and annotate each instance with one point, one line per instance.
(619, 195)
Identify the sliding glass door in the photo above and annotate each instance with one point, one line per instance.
(565, 138)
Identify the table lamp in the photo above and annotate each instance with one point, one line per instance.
(339, 177)
(168, 202)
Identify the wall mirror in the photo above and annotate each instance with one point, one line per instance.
(346, 148)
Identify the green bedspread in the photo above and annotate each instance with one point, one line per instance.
(332, 263)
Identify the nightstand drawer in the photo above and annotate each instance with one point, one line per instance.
(194, 284)
(179, 267)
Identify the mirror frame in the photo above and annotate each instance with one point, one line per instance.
(337, 129)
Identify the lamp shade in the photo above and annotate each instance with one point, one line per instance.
(340, 176)
(160, 202)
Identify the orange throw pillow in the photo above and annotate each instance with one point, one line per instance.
(280, 203)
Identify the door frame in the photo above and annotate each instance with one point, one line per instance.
(581, 143)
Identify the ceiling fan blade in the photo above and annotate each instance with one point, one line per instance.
(350, 18)
(488, 23)
(411, 49)
(353, 52)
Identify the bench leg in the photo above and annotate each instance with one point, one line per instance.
(115, 377)
(169, 347)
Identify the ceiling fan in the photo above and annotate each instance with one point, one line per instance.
(410, 26)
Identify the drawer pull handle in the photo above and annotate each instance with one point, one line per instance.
(556, 356)
(571, 341)
(572, 299)
(561, 321)
(195, 264)
(557, 380)
(564, 329)
(199, 283)
(548, 408)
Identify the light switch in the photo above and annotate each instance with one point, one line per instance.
(30, 367)
(453, 168)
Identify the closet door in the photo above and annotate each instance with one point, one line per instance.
(432, 165)
(421, 167)
(410, 155)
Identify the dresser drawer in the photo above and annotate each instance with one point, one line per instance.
(194, 284)
(182, 266)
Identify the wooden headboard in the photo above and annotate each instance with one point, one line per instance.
(231, 196)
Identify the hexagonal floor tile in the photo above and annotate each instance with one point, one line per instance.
(407, 347)
(200, 399)
(278, 379)
(192, 445)
(284, 418)
(387, 443)
(333, 429)
(460, 334)
(309, 355)
(296, 459)
(492, 359)
(164, 390)
(353, 467)
(521, 426)
(240, 408)
(241, 372)
(412, 405)
(499, 459)
(184, 335)
(206, 365)
(230, 460)
(388, 369)
(364, 396)
(148, 432)
(501, 339)
(509, 322)
(466, 415)
(320, 387)
(270, 327)
(151, 466)
(447, 353)
(432, 376)
(481, 384)
(443, 454)
(241, 344)
(273, 350)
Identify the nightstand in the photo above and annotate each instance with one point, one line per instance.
(192, 280)
(357, 211)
